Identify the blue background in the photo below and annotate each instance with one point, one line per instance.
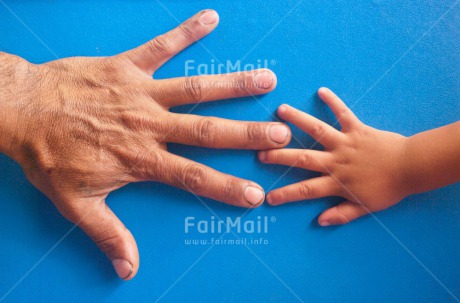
(396, 63)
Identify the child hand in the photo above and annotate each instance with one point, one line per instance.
(359, 163)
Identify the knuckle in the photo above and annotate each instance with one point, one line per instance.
(135, 122)
(318, 130)
(186, 30)
(205, 131)
(111, 66)
(195, 88)
(304, 160)
(229, 190)
(160, 44)
(154, 159)
(342, 112)
(341, 218)
(194, 178)
(255, 132)
(109, 243)
(283, 195)
(304, 191)
(342, 161)
(239, 84)
(146, 166)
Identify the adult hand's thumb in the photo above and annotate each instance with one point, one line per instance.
(111, 236)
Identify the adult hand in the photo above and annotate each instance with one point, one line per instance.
(83, 127)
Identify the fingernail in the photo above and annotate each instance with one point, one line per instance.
(322, 90)
(278, 133)
(208, 17)
(282, 109)
(324, 223)
(263, 79)
(123, 268)
(254, 195)
(262, 156)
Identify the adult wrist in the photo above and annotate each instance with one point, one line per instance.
(14, 97)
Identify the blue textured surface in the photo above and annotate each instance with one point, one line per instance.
(397, 63)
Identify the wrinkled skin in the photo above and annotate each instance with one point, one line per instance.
(88, 126)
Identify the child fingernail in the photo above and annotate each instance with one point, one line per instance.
(208, 17)
(262, 156)
(254, 195)
(282, 109)
(324, 223)
(278, 133)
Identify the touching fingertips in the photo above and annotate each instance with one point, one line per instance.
(209, 17)
(254, 195)
(123, 268)
(279, 133)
